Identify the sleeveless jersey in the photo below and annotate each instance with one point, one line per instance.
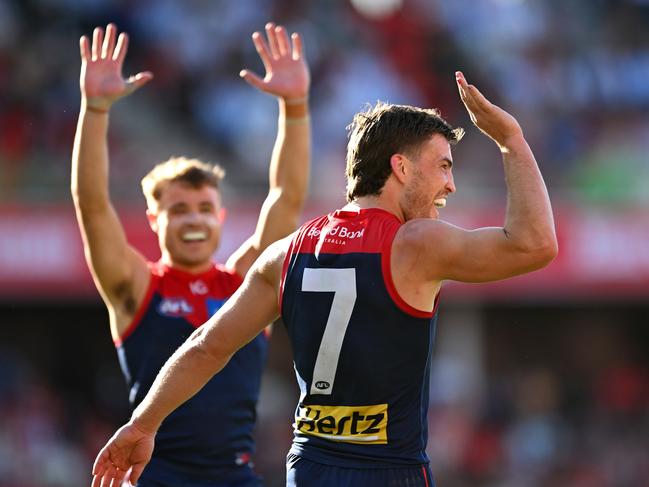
(361, 353)
(213, 430)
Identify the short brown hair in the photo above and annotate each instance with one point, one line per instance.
(381, 131)
(193, 172)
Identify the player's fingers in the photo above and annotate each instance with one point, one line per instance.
(471, 95)
(84, 47)
(136, 471)
(478, 98)
(465, 95)
(462, 92)
(119, 478)
(283, 43)
(262, 49)
(114, 477)
(297, 46)
(99, 467)
(96, 481)
(122, 46)
(109, 42)
(462, 86)
(251, 78)
(272, 40)
(137, 81)
(97, 41)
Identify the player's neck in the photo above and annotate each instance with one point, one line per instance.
(381, 201)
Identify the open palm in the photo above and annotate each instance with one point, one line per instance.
(287, 74)
(101, 78)
(492, 120)
(126, 453)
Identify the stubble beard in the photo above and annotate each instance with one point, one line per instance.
(417, 203)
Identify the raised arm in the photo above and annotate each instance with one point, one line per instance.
(204, 354)
(287, 77)
(525, 242)
(115, 266)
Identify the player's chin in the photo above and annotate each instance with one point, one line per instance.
(193, 253)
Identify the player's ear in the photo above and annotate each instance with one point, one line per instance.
(153, 220)
(398, 162)
(223, 213)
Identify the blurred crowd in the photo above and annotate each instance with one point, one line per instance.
(573, 72)
(562, 401)
(46, 438)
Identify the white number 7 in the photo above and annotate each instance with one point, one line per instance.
(342, 282)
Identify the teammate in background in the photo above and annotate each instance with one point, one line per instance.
(358, 292)
(154, 307)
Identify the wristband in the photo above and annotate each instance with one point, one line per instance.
(96, 109)
(296, 120)
(296, 101)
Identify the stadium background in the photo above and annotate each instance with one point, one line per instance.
(540, 381)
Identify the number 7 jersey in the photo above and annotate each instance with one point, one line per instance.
(361, 353)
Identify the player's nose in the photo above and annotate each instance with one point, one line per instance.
(450, 184)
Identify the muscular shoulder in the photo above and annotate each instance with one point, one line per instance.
(419, 233)
(270, 263)
(421, 246)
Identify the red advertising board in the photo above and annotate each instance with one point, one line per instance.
(602, 256)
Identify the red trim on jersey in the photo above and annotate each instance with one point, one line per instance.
(209, 274)
(423, 470)
(389, 283)
(153, 284)
(170, 282)
(324, 235)
(296, 242)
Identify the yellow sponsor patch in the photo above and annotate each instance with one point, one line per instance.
(350, 424)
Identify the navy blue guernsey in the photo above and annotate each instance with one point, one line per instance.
(213, 430)
(361, 353)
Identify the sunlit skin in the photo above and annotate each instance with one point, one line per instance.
(430, 179)
(188, 223)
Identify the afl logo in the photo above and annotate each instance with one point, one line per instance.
(322, 384)
(174, 307)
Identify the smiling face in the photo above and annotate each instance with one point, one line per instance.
(188, 223)
(429, 180)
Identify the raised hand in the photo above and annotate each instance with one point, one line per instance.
(287, 74)
(127, 452)
(101, 78)
(492, 120)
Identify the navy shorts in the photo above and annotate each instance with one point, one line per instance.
(305, 473)
(156, 475)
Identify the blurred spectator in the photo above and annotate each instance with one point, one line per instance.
(577, 70)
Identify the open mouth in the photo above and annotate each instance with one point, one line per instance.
(440, 202)
(196, 236)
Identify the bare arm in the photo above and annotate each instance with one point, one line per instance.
(204, 354)
(115, 266)
(526, 242)
(287, 77)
